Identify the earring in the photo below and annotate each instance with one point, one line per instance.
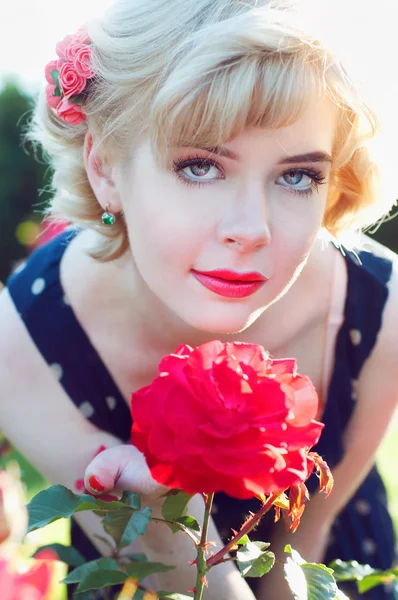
(108, 218)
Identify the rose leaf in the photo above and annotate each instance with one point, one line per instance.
(136, 526)
(253, 560)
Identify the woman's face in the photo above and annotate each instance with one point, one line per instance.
(249, 212)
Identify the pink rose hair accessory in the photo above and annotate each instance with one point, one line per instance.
(68, 77)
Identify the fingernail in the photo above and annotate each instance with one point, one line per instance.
(95, 484)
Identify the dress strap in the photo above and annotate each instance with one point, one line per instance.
(335, 319)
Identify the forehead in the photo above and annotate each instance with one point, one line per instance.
(314, 130)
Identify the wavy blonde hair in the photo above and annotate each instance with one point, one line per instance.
(198, 73)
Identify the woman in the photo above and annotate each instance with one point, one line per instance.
(190, 139)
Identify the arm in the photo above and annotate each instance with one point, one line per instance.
(377, 401)
(39, 418)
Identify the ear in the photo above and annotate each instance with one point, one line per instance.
(101, 177)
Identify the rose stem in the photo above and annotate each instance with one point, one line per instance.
(247, 527)
(201, 564)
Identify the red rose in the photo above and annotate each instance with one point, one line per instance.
(70, 112)
(70, 82)
(225, 417)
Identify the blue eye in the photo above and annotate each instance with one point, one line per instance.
(293, 177)
(196, 170)
(301, 181)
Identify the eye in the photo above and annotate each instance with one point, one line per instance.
(197, 170)
(301, 181)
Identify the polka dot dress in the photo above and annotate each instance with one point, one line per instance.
(363, 531)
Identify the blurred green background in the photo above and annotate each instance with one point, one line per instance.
(24, 182)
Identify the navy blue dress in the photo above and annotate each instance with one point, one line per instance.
(363, 531)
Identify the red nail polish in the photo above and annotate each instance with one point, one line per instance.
(95, 484)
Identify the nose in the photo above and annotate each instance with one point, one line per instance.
(246, 227)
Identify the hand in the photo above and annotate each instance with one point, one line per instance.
(122, 468)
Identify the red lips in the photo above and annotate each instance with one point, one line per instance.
(230, 284)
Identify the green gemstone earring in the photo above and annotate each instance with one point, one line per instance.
(107, 217)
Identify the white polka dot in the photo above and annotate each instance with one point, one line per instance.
(19, 268)
(66, 301)
(86, 409)
(111, 402)
(355, 336)
(57, 370)
(38, 286)
(363, 507)
(369, 546)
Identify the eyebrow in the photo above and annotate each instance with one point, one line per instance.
(314, 157)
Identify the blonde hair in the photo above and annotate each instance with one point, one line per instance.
(198, 73)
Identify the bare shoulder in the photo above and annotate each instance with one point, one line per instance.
(387, 343)
(378, 383)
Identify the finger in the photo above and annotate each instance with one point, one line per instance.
(121, 468)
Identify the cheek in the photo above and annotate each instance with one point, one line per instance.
(160, 231)
(294, 234)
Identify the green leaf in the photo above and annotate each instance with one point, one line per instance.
(132, 500)
(320, 581)
(295, 577)
(253, 561)
(175, 507)
(111, 505)
(295, 555)
(116, 523)
(56, 502)
(380, 578)
(105, 541)
(174, 596)
(189, 522)
(365, 576)
(309, 581)
(66, 554)
(55, 76)
(144, 569)
(346, 571)
(136, 557)
(104, 563)
(100, 579)
(243, 540)
(136, 526)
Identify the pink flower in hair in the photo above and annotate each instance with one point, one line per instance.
(70, 112)
(52, 66)
(67, 77)
(71, 83)
(52, 100)
(63, 44)
(82, 61)
(81, 36)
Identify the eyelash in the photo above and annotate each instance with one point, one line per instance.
(179, 165)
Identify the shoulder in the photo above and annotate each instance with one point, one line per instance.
(378, 382)
(384, 257)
